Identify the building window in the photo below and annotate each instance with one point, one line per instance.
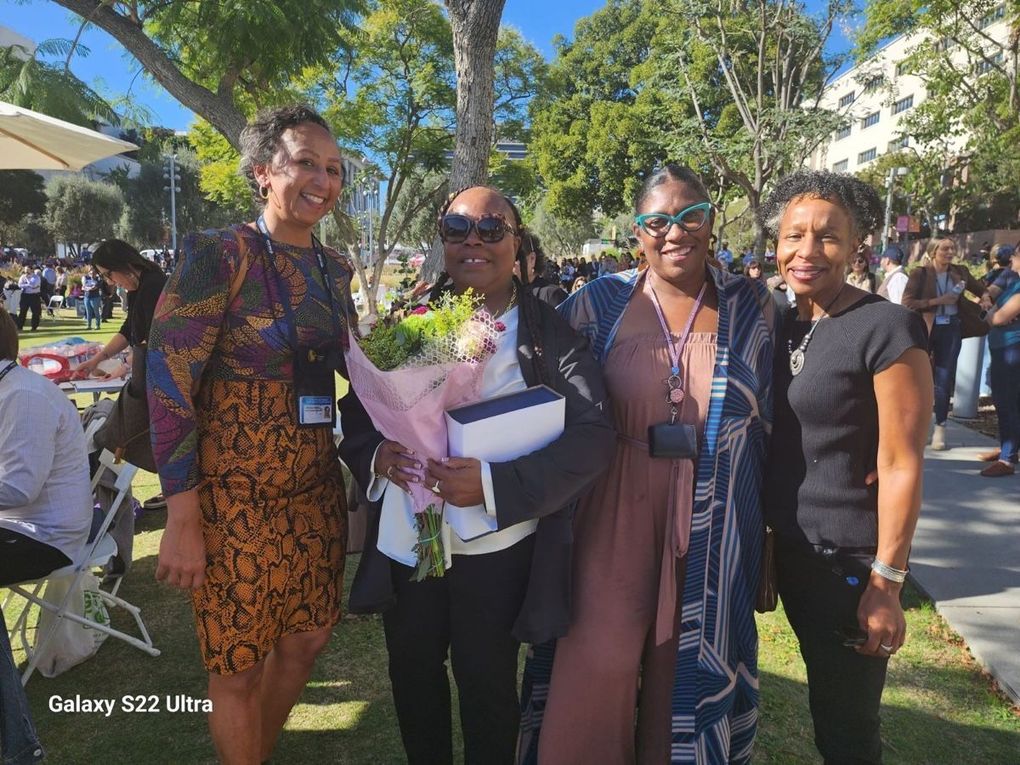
(896, 144)
(873, 84)
(871, 119)
(846, 100)
(866, 156)
(946, 43)
(990, 18)
(985, 66)
(843, 133)
(840, 167)
(902, 68)
(902, 105)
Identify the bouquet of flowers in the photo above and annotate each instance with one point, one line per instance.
(407, 372)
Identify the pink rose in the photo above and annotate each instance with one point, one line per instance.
(500, 326)
(422, 309)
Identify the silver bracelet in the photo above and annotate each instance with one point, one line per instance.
(888, 572)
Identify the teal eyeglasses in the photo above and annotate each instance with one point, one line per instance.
(690, 219)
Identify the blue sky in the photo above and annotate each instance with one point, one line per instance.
(113, 73)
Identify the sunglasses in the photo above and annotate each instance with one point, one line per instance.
(455, 229)
(690, 220)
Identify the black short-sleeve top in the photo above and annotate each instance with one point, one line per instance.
(825, 437)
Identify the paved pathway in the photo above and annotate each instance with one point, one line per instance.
(966, 554)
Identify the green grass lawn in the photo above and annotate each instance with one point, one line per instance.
(939, 709)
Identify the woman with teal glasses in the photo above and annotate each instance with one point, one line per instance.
(668, 541)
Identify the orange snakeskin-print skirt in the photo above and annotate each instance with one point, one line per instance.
(274, 519)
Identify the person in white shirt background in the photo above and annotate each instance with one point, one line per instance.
(30, 283)
(45, 509)
(45, 497)
(895, 278)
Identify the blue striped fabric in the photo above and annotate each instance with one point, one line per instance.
(715, 691)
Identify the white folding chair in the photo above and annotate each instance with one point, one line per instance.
(55, 302)
(96, 554)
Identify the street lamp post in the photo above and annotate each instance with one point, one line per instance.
(172, 177)
(371, 194)
(890, 183)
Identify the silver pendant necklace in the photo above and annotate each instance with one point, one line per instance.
(797, 355)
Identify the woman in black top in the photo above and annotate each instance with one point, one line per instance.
(531, 268)
(120, 263)
(853, 389)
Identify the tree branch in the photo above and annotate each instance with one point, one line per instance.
(218, 109)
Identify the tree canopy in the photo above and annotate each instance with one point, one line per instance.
(80, 211)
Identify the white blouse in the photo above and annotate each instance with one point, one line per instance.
(397, 530)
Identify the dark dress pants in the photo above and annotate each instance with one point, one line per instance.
(469, 613)
(23, 558)
(820, 594)
(33, 303)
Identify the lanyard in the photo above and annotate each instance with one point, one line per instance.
(288, 309)
(675, 349)
(939, 292)
(7, 369)
(674, 383)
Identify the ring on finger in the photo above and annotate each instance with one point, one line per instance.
(886, 648)
(389, 472)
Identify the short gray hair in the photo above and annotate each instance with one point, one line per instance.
(858, 198)
(260, 139)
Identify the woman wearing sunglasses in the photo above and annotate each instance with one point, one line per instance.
(860, 275)
(503, 588)
(675, 524)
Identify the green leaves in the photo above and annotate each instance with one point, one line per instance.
(80, 210)
(27, 79)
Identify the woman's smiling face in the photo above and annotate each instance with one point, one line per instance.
(483, 266)
(304, 177)
(679, 255)
(816, 242)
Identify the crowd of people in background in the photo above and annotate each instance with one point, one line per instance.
(29, 293)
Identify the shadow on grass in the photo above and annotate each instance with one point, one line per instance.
(935, 715)
(910, 735)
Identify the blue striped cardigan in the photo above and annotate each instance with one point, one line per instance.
(715, 691)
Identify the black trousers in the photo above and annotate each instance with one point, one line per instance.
(469, 613)
(23, 558)
(820, 593)
(33, 302)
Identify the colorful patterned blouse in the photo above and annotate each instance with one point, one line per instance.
(194, 335)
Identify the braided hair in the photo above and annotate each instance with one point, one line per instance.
(527, 302)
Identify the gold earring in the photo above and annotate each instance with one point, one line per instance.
(264, 192)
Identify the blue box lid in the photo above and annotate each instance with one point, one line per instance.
(508, 402)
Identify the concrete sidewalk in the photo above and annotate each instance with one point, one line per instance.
(966, 553)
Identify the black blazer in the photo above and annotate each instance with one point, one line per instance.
(545, 484)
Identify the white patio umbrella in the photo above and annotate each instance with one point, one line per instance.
(33, 141)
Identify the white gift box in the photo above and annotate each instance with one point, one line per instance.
(500, 429)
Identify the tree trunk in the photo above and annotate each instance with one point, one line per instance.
(347, 231)
(475, 25)
(218, 109)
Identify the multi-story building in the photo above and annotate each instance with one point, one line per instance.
(878, 93)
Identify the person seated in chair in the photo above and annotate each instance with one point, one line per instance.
(45, 495)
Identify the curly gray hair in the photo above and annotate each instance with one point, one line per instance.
(855, 196)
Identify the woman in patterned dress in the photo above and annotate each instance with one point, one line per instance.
(255, 501)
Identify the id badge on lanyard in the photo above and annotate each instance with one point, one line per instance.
(314, 388)
(314, 379)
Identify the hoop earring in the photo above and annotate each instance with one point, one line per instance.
(264, 192)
